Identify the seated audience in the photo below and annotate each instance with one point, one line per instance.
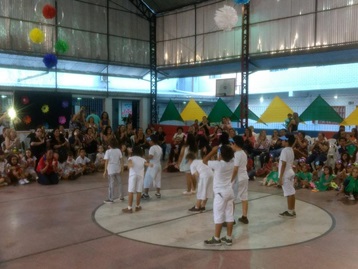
(47, 169)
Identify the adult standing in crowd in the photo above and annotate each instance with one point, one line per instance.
(161, 141)
(293, 125)
(38, 143)
(79, 120)
(59, 144)
(205, 124)
(90, 144)
(342, 129)
(104, 122)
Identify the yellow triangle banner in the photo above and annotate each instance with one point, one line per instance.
(192, 111)
(352, 119)
(276, 112)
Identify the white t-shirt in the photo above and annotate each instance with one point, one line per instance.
(99, 157)
(114, 157)
(203, 170)
(288, 156)
(222, 174)
(240, 160)
(156, 151)
(138, 166)
(82, 161)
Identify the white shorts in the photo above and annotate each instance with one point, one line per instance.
(241, 189)
(153, 176)
(223, 206)
(205, 188)
(135, 183)
(288, 186)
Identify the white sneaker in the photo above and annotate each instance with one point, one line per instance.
(22, 182)
(26, 181)
(193, 191)
(187, 192)
(351, 197)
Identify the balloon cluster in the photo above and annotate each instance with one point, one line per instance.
(37, 36)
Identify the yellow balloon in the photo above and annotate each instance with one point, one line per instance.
(45, 109)
(36, 36)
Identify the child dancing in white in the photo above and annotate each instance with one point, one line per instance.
(112, 168)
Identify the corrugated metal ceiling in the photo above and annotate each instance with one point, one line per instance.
(161, 6)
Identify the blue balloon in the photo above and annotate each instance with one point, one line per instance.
(242, 2)
(50, 60)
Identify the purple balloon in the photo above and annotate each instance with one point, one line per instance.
(65, 104)
(50, 60)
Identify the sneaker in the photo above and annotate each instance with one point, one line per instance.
(244, 220)
(287, 214)
(26, 181)
(158, 195)
(227, 241)
(21, 182)
(187, 193)
(193, 191)
(119, 200)
(145, 196)
(108, 201)
(351, 197)
(212, 242)
(126, 210)
(138, 208)
(194, 209)
(202, 209)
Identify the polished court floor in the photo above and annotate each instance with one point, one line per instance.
(68, 226)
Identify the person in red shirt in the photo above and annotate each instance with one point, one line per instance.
(47, 169)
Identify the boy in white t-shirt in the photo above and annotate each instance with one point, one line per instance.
(84, 162)
(287, 175)
(153, 174)
(112, 168)
(205, 182)
(223, 206)
(135, 179)
(240, 178)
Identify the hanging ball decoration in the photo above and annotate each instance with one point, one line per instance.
(61, 46)
(25, 100)
(50, 60)
(65, 104)
(45, 109)
(27, 119)
(226, 18)
(49, 11)
(36, 36)
(242, 2)
(61, 119)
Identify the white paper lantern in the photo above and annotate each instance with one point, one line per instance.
(226, 18)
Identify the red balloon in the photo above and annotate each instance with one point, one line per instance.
(49, 11)
(25, 100)
(27, 119)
